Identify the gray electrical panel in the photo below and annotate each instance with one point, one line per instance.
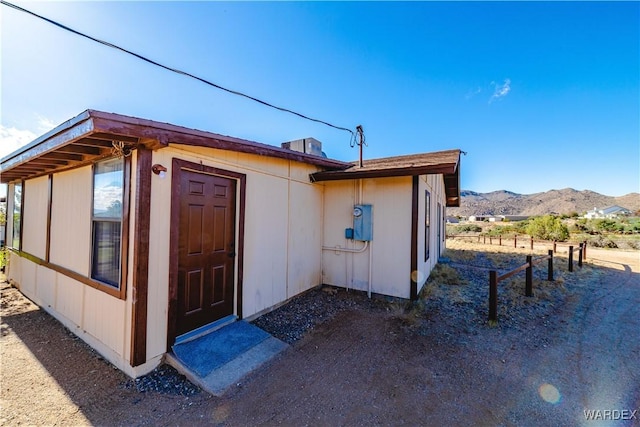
(363, 223)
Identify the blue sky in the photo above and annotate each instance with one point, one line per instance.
(541, 95)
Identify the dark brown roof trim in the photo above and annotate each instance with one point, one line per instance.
(56, 138)
(439, 162)
(158, 135)
(382, 173)
(87, 137)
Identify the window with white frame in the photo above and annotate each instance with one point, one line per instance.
(106, 224)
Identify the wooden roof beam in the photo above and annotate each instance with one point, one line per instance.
(112, 137)
(63, 156)
(79, 149)
(52, 162)
(94, 142)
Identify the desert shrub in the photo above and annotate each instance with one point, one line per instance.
(602, 242)
(632, 244)
(632, 226)
(520, 227)
(443, 274)
(502, 230)
(609, 225)
(467, 228)
(581, 226)
(547, 227)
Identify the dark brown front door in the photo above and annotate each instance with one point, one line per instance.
(206, 249)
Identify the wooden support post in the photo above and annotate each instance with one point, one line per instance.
(490, 240)
(484, 239)
(570, 258)
(493, 295)
(550, 269)
(580, 256)
(515, 241)
(529, 278)
(531, 242)
(584, 250)
(554, 246)
(500, 240)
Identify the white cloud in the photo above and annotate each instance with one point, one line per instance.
(45, 124)
(473, 93)
(500, 90)
(11, 139)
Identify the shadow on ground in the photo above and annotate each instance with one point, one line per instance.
(384, 363)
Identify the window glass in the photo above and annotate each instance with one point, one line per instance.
(427, 223)
(106, 252)
(108, 179)
(107, 189)
(17, 214)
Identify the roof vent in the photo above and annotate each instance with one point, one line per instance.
(305, 145)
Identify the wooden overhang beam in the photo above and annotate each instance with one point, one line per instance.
(46, 145)
(355, 173)
(154, 135)
(89, 137)
(95, 142)
(73, 144)
(79, 149)
(52, 162)
(452, 188)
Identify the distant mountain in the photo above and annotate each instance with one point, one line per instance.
(563, 201)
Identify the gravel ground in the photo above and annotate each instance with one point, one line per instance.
(355, 361)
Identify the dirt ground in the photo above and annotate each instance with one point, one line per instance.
(381, 366)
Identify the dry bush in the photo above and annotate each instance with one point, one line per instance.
(408, 313)
(444, 274)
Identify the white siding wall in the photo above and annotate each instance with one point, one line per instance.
(288, 220)
(282, 239)
(435, 185)
(391, 244)
(100, 319)
(71, 220)
(34, 237)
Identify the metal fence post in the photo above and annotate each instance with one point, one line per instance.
(529, 278)
(550, 269)
(493, 295)
(584, 250)
(570, 259)
(531, 242)
(515, 241)
(500, 240)
(580, 256)
(554, 246)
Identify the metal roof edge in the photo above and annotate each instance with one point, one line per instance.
(85, 115)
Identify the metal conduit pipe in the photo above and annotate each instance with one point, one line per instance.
(354, 251)
(370, 268)
(341, 249)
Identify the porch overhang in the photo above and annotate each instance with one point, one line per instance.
(92, 135)
(446, 163)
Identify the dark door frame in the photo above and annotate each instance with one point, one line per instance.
(178, 165)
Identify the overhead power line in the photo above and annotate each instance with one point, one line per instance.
(175, 70)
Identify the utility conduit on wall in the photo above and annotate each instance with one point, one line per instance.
(341, 249)
(354, 251)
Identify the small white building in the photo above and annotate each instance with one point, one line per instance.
(611, 212)
(133, 232)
